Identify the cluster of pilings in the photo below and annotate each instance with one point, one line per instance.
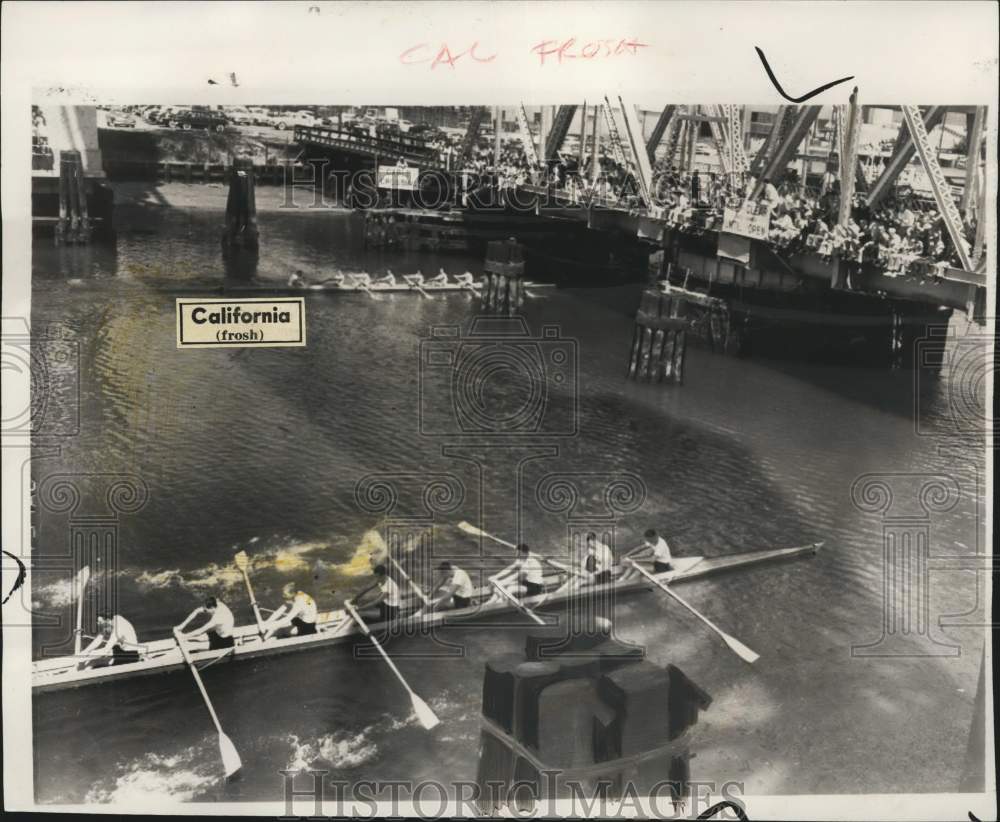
(73, 226)
(583, 711)
(241, 233)
(503, 290)
(667, 314)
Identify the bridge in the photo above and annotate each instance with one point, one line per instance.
(733, 252)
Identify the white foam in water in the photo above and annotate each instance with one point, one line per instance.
(177, 778)
(345, 752)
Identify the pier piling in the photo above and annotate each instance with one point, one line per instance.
(504, 289)
(241, 231)
(73, 226)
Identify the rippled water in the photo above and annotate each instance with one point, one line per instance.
(262, 450)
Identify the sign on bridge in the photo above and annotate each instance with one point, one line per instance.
(400, 178)
(747, 222)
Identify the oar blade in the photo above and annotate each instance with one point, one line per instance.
(424, 713)
(242, 560)
(469, 528)
(741, 650)
(231, 761)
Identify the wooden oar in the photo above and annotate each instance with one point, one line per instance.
(416, 588)
(469, 528)
(227, 750)
(420, 708)
(513, 600)
(737, 647)
(84, 578)
(416, 286)
(243, 562)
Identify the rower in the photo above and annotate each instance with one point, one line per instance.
(218, 625)
(116, 643)
(297, 616)
(440, 279)
(456, 584)
(387, 279)
(387, 599)
(297, 280)
(526, 571)
(466, 280)
(655, 547)
(598, 561)
(361, 279)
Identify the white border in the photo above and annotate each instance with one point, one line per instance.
(923, 52)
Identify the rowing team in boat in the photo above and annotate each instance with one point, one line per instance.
(364, 280)
(117, 641)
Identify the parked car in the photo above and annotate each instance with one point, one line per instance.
(239, 115)
(119, 119)
(200, 118)
(291, 119)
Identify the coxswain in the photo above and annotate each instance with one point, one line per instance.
(455, 585)
(297, 616)
(387, 599)
(297, 280)
(653, 547)
(525, 571)
(598, 561)
(218, 625)
(115, 644)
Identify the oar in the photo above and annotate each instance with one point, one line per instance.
(227, 750)
(78, 639)
(243, 562)
(737, 647)
(416, 286)
(420, 708)
(416, 588)
(524, 609)
(469, 528)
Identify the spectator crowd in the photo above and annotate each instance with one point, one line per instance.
(897, 232)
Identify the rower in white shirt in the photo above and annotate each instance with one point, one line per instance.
(456, 585)
(116, 643)
(655, 548)
(218, 625)
(525, 573)
(388, 599)
(598, 561)
(297, 617)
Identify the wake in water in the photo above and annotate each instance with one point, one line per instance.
(153, 777)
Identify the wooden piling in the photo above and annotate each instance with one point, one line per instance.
(73, 226)
(241, 231)
(504, 267)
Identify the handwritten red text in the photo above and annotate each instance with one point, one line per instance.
(570, 49)
(442, 56)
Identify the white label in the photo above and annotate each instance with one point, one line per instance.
(276, 322)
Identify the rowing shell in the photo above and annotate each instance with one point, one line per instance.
(374, 288)
(336, 627)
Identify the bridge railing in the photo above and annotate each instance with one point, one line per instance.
(412, 148)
